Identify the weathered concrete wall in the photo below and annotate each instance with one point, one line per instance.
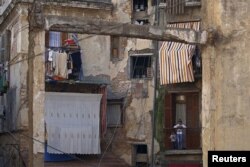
(18, 64)
(95, 54)
(97, 61)
(225, 105)
(58, 10)
(18, 26)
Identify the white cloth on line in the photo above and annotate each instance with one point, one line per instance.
(72, 121)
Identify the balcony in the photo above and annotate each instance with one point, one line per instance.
(191, 139)
(190, 155)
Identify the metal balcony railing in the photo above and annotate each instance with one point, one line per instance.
(191, 137)
(185, 2)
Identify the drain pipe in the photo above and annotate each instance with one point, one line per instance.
(157, 19)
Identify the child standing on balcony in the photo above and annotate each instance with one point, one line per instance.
(179, 133)
(173, 139)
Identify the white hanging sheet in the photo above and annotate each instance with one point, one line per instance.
(72, 122)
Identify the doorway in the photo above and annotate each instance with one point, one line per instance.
(184, 106)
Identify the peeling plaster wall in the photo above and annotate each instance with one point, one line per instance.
(122, 10)
(18, 26)
(138, 121)
(97, 62)
(18, 65)
(77, 12)
(226, 88)
(95, 54)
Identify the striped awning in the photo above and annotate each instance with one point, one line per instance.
(176, 58)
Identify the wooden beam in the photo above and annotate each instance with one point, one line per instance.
(101, 27)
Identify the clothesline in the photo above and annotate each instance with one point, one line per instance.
(66, 65)
(64, 49)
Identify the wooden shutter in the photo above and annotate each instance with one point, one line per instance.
(47, 39)
(64, 37)
(168, 119)
(193, 121)
(5, 46)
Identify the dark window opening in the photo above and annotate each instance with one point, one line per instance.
(142, 22)
(140, 155)
(196, 60)
(141, 67)
(141, 149)
(140, 5)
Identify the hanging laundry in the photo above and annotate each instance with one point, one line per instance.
(77, 66)
(61, 65)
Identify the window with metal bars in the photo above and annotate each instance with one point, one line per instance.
(141, 66)
(140, 5)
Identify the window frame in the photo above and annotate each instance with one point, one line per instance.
(131, 68)
(120, 103)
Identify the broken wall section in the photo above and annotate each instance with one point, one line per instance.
(136, 93)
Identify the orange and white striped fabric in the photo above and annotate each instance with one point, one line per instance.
(176, 58)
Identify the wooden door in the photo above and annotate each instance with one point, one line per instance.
(193, 122)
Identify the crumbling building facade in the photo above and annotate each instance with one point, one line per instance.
(103, 55)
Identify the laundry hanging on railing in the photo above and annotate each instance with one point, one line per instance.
(73, 123)
(175, 58)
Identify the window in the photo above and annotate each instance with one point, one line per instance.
(114, 42)
(55, 39)
(5, 46)
(140, 15)
(141, 66)
(117, 47)
(139, 155)
(114, 114)
(140, 5)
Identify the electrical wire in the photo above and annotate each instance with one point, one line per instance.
(45, 144)
(89, 36)
(12, 62)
